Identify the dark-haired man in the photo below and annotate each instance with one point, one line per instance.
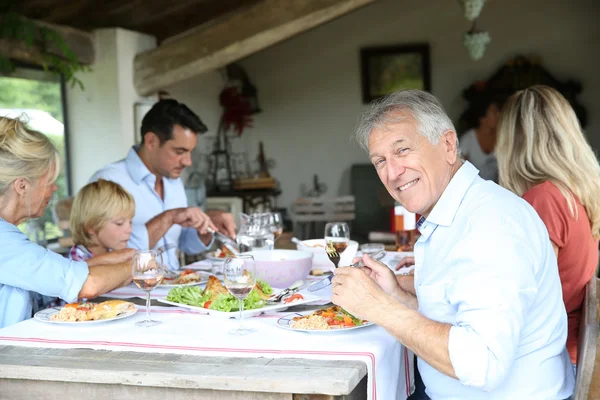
(151, 173)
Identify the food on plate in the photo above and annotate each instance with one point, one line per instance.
(181, 278)
(77, 312)
(216, 296)
(317, 272)
(214, 288)
(312, 322)
(292, 298)
(223, 252)
(334, 317)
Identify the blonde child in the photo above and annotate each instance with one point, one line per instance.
(101, 222)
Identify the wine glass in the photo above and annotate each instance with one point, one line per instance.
(240, 278)
(276, 225)
(338, 233)
(147, 271)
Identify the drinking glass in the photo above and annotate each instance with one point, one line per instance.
(339, 234)
(276, 225)
(147, 270)
(240, 277)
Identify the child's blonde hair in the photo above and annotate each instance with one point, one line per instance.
(96, 204)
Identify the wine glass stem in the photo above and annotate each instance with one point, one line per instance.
(148, 306)
(241, 312)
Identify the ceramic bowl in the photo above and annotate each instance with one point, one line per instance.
(281, 268)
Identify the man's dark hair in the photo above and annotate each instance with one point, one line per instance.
(167, 113)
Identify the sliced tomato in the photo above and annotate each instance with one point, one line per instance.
(207, 304)
(72, 305)
(187, 272)
(294, 297)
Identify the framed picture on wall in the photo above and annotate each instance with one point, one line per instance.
(388, 69)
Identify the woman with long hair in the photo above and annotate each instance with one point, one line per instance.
(544, 157)
(29, 165)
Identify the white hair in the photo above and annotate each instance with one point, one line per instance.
(422, 106)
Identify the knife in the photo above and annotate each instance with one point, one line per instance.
(313, 287)
(226, 240)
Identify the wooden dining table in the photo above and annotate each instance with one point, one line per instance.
(115, 361)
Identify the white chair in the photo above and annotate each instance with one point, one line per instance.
(308, 211)
(588, 341)
(234, 205)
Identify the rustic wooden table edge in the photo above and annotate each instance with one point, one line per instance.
(177, 371)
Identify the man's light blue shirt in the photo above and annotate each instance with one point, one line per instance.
(485, 265)
(26, 268)
(136, 178)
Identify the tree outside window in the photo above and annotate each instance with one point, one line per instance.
(37, 98)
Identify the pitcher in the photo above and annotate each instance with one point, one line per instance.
(255, 232)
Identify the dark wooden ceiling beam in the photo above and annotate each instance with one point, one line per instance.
(80, 42)
(232, 37)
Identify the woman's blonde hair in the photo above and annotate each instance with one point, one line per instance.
(539, 139)
(96, 204)
(24, 153)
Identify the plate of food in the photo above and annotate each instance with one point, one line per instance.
(219, 254)
(188, 277)
(324, 320)
(216, 300)
(87, 313)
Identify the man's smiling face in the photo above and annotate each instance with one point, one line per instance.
(414, 171)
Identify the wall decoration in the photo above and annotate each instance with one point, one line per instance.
(515, 74)
(388, 69)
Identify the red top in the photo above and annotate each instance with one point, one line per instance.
(577, 250)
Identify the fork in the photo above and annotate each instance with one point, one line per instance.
(332, 254)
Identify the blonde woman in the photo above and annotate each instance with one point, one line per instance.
(101, 220)
(29, 165)
(543, 156)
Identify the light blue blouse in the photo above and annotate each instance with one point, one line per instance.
(136, 178)
(26, 267)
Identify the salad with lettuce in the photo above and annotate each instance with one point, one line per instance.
(217, 297)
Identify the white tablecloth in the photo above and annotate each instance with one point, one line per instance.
(183, 331)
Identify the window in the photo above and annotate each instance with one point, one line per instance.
(38, 98)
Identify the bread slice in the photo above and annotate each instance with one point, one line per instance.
(214, 287)
(110, 309)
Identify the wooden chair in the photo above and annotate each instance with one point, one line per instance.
(62, 215)
(588, 342)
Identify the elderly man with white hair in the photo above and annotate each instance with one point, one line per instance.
(484, 314)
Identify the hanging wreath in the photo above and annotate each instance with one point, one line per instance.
(236, 110)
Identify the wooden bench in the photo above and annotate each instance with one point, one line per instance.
(76, 374)
(308, 211)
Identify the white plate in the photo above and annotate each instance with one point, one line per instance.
(247, 313)
(46, 316)
(204, 278)
(211, 256)
(285, 322)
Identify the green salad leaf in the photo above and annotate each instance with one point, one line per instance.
(191, 295)
(195, 296)
(264, 286)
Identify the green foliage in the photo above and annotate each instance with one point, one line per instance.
(17, 27)
(33, 94)
(45, 96)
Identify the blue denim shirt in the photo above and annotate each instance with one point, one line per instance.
(136, 178)
(25, 268)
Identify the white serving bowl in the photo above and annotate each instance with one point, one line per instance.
(281, 268)
(317, 247)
